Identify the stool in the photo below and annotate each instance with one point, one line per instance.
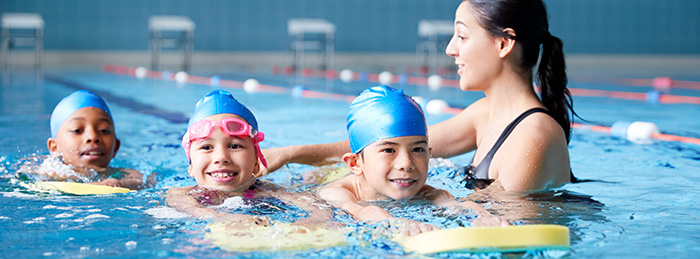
(167, 31)
(311, 34)
(17, 27)
(432, 34)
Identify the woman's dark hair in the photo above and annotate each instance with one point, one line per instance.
(528, 18)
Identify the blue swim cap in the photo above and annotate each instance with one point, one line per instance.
(382, 112)
(75, 101)
(218, 102)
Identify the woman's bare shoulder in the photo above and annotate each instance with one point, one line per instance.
(534, 156)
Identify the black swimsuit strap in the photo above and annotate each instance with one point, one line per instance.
(482, 170)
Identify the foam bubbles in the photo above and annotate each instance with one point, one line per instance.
(164, 212)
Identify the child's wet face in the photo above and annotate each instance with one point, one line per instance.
(86, 139)
(396, 168)
(222, 162)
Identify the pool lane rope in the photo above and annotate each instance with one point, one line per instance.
(661, 85)
(637, 132)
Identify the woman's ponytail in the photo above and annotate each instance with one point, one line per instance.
(552, 76)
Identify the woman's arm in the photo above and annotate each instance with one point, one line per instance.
(456, 135)
(443, 198)
(317, 155)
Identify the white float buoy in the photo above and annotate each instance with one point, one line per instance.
(420, 101)
(638, 132)
(436, 106)
(434, 82)
(141, 72)
(641, 132)
(251, 85)
(345, 75)
(214, 81)
(297, 90)
(385, 77)
(181, 77)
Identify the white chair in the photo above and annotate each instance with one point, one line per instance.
(433, 34)
(14, 32)
(171, 31)
(301, 32)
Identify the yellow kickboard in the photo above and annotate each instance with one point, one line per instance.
(490, 239)
(80, 188)
(280, 236)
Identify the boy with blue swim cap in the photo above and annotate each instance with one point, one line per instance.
(83, 136)
(389, 160)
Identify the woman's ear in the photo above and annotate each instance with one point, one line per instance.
(189, 170)
(506, 45)
(352, 161)
(51, 145)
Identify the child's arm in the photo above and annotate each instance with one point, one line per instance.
(179, 199)
(443, 198)
(343, 198)
(319, 212)
(129, 178)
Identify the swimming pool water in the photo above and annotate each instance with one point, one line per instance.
(643, 204)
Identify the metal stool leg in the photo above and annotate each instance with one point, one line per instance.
(39, 50)
(189, 49)
(5, 48)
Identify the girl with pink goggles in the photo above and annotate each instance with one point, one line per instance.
(233, 127)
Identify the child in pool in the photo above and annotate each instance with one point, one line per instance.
(83, 139)
(389, 161)
(222, 147)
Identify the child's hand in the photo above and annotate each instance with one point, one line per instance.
(241, 222)
(53, 175)
(110, 182)
(483, 217)
(411, 227)
(489, 221)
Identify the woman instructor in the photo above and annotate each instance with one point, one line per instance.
(520, 138)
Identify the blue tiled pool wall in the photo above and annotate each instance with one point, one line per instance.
(590, 26)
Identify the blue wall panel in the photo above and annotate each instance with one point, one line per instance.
(586, 26)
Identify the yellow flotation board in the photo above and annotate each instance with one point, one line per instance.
(280, 236)
(489, 239)
(80, 188)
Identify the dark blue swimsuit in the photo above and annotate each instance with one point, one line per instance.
(478, 177)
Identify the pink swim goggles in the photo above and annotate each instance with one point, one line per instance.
(233, 127)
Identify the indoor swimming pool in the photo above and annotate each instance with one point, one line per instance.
(642, 202)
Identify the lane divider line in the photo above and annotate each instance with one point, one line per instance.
(122, 70)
